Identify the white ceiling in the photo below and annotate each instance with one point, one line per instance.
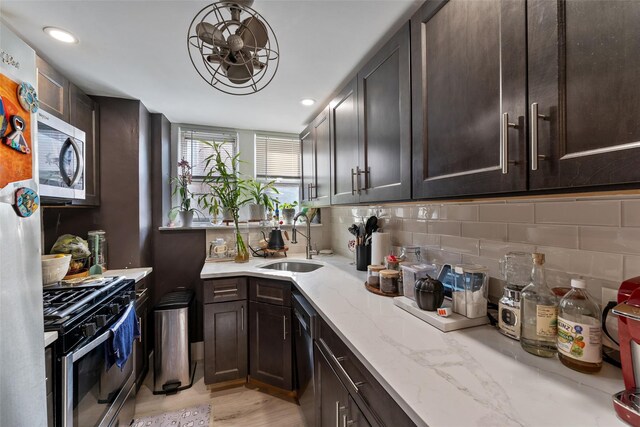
(137, 49)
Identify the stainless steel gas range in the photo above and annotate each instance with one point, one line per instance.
(86, 393)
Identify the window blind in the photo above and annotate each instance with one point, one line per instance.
(192, 147)
(277, 156)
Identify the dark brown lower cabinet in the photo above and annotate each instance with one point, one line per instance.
(332, 397)
(271, 344)
(225, 341)
(355, 417)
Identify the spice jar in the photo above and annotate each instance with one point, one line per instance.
(389, 281)
(392, 262)
(373, 275)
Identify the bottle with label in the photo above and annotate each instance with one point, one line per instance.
(539, 312)
(580, 330)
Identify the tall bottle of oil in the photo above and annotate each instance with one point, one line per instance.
(539, 311)
(580, 330)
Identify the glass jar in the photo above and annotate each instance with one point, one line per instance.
(411, 254)
(389, 281)
(97, 241)
(373, 275)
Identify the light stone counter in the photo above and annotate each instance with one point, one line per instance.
(473, 377)
(136, 274)
(50, 338)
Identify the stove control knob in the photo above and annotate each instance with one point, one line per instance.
(101, 320)
(114, 308)
(89, 329)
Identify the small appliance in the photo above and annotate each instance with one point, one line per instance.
(61, 158)
(275, 240)
(627, 402)
(515, 268)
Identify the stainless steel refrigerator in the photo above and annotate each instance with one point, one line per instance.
(22, 373)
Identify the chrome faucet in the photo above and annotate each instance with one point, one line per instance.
(294, 232)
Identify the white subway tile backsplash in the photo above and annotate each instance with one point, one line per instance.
(426, 240)
(426, 212)
(460, 245)
(492, 264)
(631, 213)
(579, 213)
(414, 225)
(401, 238)
(497, 250)
(485, 230)
(459, 212)
(547, 235)
(451, 228)
(607, 239)
(512, 212)
(437, 256)
(583, 263)
(631, 266)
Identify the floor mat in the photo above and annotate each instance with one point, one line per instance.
(196, 416)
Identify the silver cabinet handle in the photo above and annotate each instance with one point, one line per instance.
(224, 291)
(504, 142)
(337, 413)
(535, 116)
(337, 360)
(284, 328)
(367, 177)
(358, 173)
(242, 318)
(353, 174)
(344, 420)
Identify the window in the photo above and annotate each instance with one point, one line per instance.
(193, 148)
(278, 158)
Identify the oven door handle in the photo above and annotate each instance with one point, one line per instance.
(83, 351)
(71, 181)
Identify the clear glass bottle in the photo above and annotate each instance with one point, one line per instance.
(580, 330)
(539, 311)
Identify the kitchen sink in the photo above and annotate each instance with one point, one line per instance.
(293, 266)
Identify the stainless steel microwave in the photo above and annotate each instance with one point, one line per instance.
(61, 158)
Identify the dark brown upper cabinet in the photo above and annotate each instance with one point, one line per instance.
(584, 96)
(469, 98)
(384, 107)
(84, 114)
(53, 90)
(316, 161)
(344, 145)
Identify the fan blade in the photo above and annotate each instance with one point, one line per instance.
(253, 32)
(209, 34)
(241, 72)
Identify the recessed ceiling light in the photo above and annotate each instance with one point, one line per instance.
(60, 35)
(307, 102)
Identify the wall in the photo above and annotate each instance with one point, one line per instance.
(595, 237)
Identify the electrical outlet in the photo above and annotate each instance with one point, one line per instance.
(609, 295)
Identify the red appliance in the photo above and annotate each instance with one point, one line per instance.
(627, 402)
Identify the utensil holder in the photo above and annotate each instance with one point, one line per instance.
(363, 257)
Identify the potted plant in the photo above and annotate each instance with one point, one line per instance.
(259, 194)
(228, 187)
(211, 204)
(181, 187)
(288, 212)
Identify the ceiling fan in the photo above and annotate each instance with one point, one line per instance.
(233, 48)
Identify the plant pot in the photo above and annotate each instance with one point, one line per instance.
(186, 218)
(287, 215)
(256, 212)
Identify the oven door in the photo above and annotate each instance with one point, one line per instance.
(61, 158)
(92, 395)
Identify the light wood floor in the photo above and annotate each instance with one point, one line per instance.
(234, 407)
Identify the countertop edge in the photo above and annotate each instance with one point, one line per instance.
(50, 338)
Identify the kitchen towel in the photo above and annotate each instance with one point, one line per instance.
(124, 332)
(380, 247)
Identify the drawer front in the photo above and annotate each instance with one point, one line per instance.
(270, 292)
(222, 290)
(378, 406)
(48, 367)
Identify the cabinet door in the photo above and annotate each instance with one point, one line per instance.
(332, 397)
(53, 90)
(307, 146)
(344, 146)
(584, 58)
(322, 139)
(468, 82)
(225, 341)
(83, 114)
(271, 345)
(384, 97)
(355, 417)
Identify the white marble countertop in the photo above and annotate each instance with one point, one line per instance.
(50, 338)
(472, 377)
(136, 274)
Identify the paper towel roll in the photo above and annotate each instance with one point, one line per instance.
(380, 247)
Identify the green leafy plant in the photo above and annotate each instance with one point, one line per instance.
(227, 188)
(289, 205)
(260, 193)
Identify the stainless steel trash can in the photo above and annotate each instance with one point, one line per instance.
(172, 366)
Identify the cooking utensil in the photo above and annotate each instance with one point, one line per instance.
(371, 223)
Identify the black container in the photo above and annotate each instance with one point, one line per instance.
(363, 257)
(429, 293)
